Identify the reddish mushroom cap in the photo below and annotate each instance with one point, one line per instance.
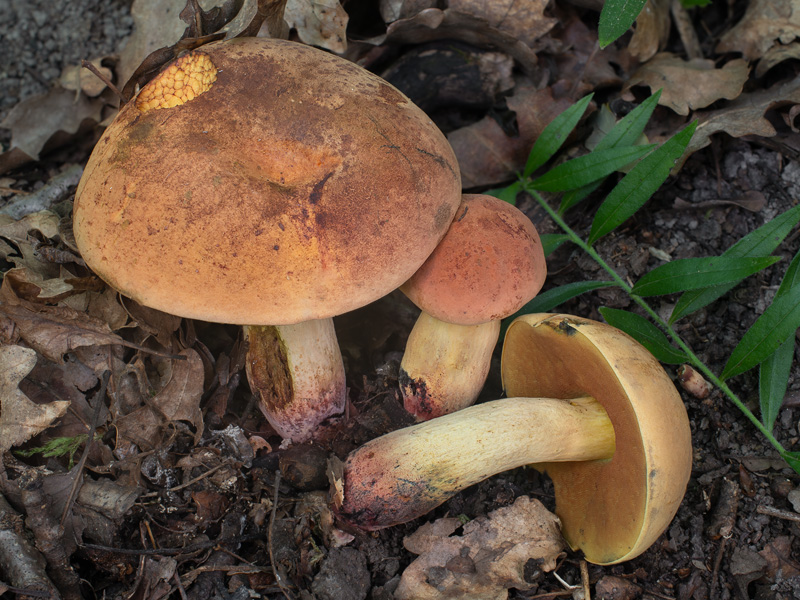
(488, 265)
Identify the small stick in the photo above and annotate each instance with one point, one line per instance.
(587, 593)
(87, 65)
(715, 573)
(78, 479)
(278, 578)
(771, 511)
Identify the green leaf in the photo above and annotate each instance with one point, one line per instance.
(630, 128)
(616, 18)
(693, 3)
(695, 273)
(508, 193)
(792, 459)
(551, 298)
(554, 135)
(644, 332)
(773, 379)
(573, 197)
(768, 333)
(551, 241)
(760, 242)
(583, 170)
(636, 187)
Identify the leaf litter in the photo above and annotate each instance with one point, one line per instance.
(175, 385)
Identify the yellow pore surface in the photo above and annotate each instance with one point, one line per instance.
(184, 80)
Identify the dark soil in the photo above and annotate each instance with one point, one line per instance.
(735, 535)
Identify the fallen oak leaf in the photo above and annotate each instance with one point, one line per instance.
(524, 20)
(20, 418)
(743, 116)
(53, 331)
(678, 79)
(320, 23)
(490, 556)
(764, 24)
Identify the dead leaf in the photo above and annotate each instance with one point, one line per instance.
(522, 19)
(486, 155)
(776, 55)
(434, 24)
(652, 30)
(393, 10)
(179, 399)
(45, 122)
(778, 554)
(53, 331)
(487, 559)
(689, 85)
(744, 115)
(320, 23)
(764, 24)
(20, 418)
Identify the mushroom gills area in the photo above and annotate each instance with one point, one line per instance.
(611, 510)
(405, 474)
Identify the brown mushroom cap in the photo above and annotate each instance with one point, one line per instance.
(487, 267)
(261, 181)
(615, 509)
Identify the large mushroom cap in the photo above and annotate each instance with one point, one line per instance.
(487, 267)
(261, 181)
(612, 510)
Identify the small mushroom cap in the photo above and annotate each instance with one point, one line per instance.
(489, 264)
(265, 182)
(612, 510)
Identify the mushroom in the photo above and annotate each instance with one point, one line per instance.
(588, 405)
(269, 184)
(489, 264)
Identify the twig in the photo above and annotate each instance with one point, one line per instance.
(715, 573)
(278, 578)
(54, 191)
(771, 511)
(78, 479)
(87, 65)
(188, 483)
(179, 585)
(587, 593)
(173, 551)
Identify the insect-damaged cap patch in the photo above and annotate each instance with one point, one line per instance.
(184, 80)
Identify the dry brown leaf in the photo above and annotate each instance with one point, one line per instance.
(20, 418)
(487, 559)
(745, 115)
(53, 331)
(45, 122)
(179, 399)
(434, 24)
(689, 85)
(393, 10)
(764, 24)
(522, 19)
(486, 155)
(320, 23)
(776, 55)
(652, 30)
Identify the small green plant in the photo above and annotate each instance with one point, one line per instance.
(617, 16)
(768, 344)
(58, 447)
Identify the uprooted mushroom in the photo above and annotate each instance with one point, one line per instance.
(489, 264)
(587, 404)
(268, 184)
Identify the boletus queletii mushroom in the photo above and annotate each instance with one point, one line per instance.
(587, 404)
(488, 265)
(268, 184)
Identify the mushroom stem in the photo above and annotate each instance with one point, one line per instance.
(445, 365)
(298, 374)
(404, 474)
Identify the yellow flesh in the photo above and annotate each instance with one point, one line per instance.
(612, 510)
(184, 80)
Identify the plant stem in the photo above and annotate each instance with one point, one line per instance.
(693, 358)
